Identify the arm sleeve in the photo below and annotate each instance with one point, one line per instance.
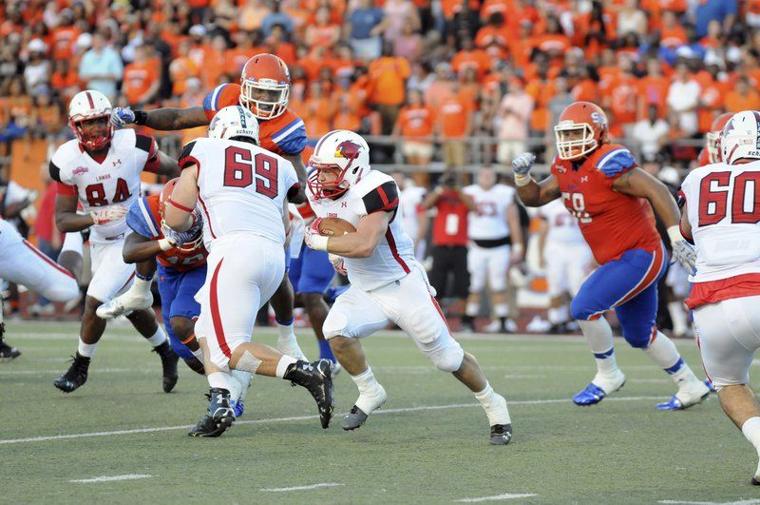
(62, 187)
(615, 163)
(140, 220)
(186, 157)
(382, 198)
(150, 146)
(291, 139)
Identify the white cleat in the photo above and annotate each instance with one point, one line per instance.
(688, 395)
(124, 304)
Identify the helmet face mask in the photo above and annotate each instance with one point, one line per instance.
(89, 118)
(340, 159)
(712, 138)
(574, 140)
(265, 86)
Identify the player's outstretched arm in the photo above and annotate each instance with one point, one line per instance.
(167, 165)
(160, 119)
(179, 209)
(295, 159)
(359, 244)
(138, 248)
(532, 193)
(66, 217)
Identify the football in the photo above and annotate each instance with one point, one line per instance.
(335, 226)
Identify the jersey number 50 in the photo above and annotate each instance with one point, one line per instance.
(576, 204)
(745, 198)
(239, 167)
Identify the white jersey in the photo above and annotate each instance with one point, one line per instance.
(114, 181)
(241, 188)
(489, 221)
(393, 257)
(562, 226)
(723, 203)
(410, 200)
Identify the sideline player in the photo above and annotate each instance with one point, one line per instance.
(24, 264)
(387, 283)
(601, 184)
(100, 169)
(264, 90)
(496, 242)
(567, 259)
(243, 190)
(711, 153)
(721, 213)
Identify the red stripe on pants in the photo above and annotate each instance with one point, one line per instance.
(216, 318)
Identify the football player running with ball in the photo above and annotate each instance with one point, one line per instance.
(722, 212)
(243, 190)
(100, 170)
(601, 185)
(387, 283)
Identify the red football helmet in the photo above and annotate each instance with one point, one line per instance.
(163, 198)
(265, 86)
(712, 138)
(582, 128)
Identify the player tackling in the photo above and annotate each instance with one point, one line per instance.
(387, 283)
(243, 190)
(601, 185)
(721, 213)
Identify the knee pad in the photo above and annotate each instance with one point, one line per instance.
(445, 353)
(336, 325)
(63, 292)
(578, 311)
(637, 336)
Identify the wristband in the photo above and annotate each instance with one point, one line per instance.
(522, 180)
(674, 234)
(319, 242)
(164, 244)
(517, 249)
(141, 117)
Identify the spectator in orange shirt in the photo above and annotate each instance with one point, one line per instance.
(672, 33)
(64, 80)
(623, 100)
(277, 44)
(454, 124)
(653, 89)
(322, 33)
(494, 37)
(246, 46)
(213, 62)
(513, 119)
(182, 68)
(388, 76)
(742, 97)
(319, 110)
(64, 36)
(47, 116)
(251, 14)
(141, 78)
(415, 125)
(470, 56)
(346, 117)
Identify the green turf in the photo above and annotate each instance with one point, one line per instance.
(619, 452)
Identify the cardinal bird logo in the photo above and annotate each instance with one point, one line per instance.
(347, 150)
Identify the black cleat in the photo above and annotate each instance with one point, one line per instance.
(7, 352)
(169, 363)
(317, 378)
(75, 376)
(501, 434)
(219, 417)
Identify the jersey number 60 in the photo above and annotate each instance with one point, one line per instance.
(239, 166)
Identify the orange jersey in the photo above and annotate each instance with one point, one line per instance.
(611, 222)
(145, 220)
(284, 134)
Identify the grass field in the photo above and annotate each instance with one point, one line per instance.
(427, 445)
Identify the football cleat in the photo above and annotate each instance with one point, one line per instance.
(686, 397)
(75, 376)
(369, 404)
(169, 364)
(220, 415)
(7, 352)
(756, 480)
(238, 408)
(592, 394)
(316, 377)
(501, 434)
(124, 304)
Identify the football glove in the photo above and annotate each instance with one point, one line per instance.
(122, 116)
(177, 238)
(683, 251)
(313, 238)
(521, 167)
(337, 263)
(108, 214)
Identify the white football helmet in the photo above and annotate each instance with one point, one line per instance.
(234, 121)
(740, 138)
(344, 153)
(89, 105)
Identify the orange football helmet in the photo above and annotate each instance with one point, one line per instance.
(265, 86)
(582, 128)
(163, 198)
(712, 138)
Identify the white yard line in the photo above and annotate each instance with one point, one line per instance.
(60, 371)
(304, 418)
(498, 497)
(301, 488)
(112, 478)
(752, 501)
